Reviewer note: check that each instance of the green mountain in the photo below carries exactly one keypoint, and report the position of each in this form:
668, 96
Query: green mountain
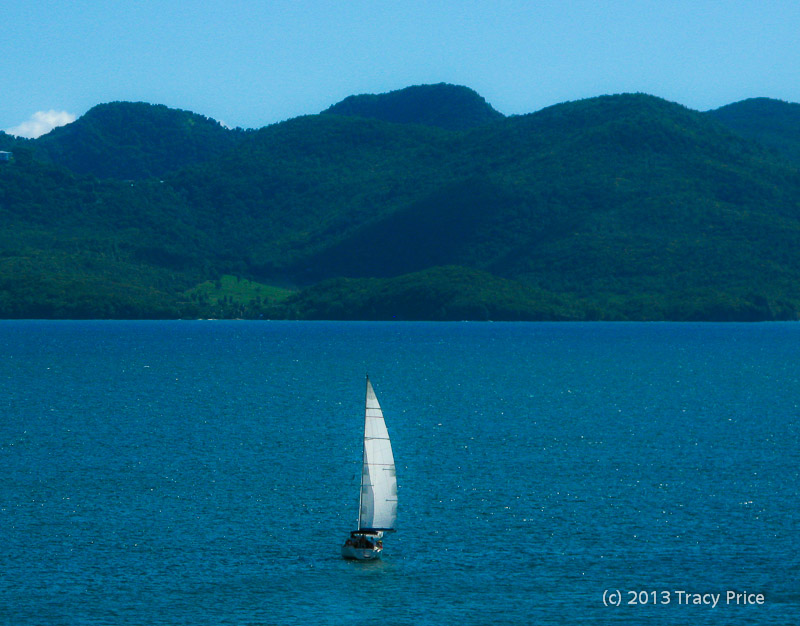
290, 189
643, 207
616, 207
7, 142
135, 140
446, 106
773, 123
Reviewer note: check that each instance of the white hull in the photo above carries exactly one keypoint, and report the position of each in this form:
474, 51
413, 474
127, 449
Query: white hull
361, 554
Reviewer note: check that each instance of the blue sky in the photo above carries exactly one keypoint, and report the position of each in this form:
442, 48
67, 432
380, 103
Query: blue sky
251, 63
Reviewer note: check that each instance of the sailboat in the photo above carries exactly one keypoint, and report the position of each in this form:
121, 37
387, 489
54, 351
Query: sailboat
377, 503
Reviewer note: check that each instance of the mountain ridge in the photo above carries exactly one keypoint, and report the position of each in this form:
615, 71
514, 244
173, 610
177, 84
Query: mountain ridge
447, 106
135, 140
615, 207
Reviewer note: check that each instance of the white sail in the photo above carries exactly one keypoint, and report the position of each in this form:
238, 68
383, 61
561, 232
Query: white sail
378, 477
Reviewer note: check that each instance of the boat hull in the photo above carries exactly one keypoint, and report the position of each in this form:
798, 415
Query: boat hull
361, 554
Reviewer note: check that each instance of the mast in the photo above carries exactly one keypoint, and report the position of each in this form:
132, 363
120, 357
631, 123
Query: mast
363, 454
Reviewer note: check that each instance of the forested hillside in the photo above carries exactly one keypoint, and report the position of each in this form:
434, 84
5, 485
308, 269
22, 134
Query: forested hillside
135, 140
616, 207
773, 123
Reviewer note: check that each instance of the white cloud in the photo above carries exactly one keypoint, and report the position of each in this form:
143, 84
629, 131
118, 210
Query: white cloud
41, 122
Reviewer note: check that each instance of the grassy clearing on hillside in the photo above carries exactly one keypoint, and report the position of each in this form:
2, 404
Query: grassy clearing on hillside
233, 296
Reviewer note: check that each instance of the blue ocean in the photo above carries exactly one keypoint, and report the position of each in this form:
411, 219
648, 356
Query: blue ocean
208, 472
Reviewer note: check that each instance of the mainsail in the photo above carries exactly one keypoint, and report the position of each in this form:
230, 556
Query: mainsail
378, 507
